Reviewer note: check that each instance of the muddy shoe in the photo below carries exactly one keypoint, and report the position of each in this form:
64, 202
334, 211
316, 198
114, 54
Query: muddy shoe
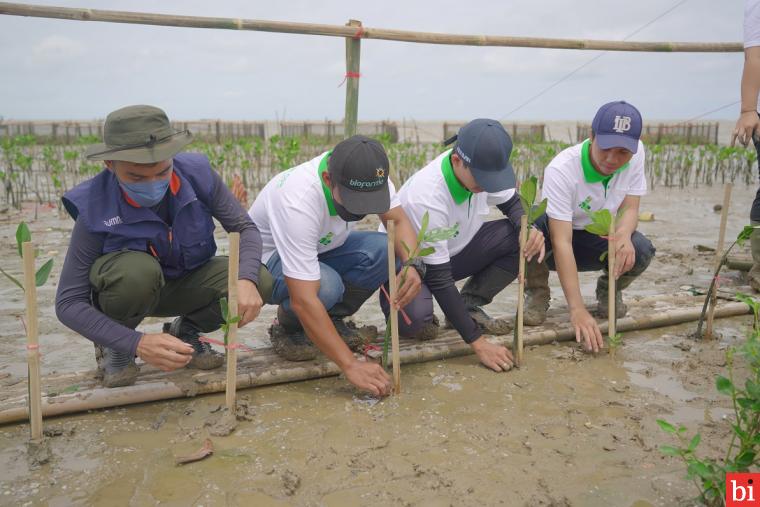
603, 308
204, 357
428, 332
486, 323
291, 346
350, 335
116, 369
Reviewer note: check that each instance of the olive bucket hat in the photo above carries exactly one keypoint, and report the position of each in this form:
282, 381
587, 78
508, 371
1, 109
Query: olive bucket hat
139, 134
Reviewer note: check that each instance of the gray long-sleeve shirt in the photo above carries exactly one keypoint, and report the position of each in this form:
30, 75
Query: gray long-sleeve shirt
73, 305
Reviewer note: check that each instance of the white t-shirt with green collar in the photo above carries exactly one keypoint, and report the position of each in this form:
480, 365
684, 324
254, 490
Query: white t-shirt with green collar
296, 218
573, 187
434, 189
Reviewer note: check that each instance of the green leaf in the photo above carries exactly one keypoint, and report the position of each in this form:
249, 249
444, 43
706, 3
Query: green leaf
426, 251
406, 248
42, 274
723, 385
745, 234
666, 426
694, 442
700, 469
225, 308
234, 320
669, 450
603, 256
537, 211
441, 233
12, 279
745, 459
423, 228
528, 190
22, 236
748, 300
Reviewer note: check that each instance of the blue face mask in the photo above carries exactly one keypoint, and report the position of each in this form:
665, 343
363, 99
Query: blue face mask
146, 194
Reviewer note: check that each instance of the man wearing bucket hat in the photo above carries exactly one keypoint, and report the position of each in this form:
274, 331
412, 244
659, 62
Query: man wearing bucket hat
322, 269
143, 245
456, 190
605, 171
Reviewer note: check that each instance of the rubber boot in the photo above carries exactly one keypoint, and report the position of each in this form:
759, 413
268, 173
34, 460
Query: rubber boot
204, 357
289, 339
428, 332
117, 369
479, 290
754, 272
353, 298
537, 293
602, 291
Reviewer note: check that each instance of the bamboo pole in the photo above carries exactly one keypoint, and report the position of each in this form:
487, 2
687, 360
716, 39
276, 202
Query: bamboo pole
264, 369
718, 257
612, 311
353, 65
32, 341
141, 18
395, 358
518, 345
232, 279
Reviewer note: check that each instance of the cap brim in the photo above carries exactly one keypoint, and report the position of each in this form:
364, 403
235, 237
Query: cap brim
156, 153
495, 181
608, 141
365, 203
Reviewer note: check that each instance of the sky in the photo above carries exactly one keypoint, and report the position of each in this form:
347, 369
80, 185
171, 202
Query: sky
57, 69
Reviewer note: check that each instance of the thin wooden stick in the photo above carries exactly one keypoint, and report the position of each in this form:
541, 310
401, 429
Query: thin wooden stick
232, 279
518, 345
395, 349
142, 18
611, 288
353, 65
718, 257
32, 341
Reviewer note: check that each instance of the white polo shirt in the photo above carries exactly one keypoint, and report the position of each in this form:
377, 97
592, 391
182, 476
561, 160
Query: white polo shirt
751, 23
435, 189
574, 187
296, 217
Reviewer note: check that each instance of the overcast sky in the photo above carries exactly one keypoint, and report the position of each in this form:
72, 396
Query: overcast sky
55, 69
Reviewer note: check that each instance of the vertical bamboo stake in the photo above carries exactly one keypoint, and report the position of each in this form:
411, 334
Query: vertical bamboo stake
611, 289
353, 56
718, 258
518, 345
232, 278
395, 352
32, 341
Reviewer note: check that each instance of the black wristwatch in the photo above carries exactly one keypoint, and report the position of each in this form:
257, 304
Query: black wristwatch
418, 264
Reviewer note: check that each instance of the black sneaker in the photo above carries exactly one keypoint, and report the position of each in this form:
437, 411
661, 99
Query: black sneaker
204, 357
117, 369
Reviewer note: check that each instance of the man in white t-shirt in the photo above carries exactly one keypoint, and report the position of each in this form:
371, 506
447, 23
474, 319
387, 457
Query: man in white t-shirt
605, 171
456, 190
323, 270
749, 121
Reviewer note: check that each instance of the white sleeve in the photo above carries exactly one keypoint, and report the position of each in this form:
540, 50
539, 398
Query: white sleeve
559, 189
638, 184
751, 23
395, 200
437, 217
497, 198
295, 231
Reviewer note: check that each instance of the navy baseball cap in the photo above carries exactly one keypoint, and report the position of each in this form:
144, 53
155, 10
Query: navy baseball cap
617, 125
485, 147
359, 165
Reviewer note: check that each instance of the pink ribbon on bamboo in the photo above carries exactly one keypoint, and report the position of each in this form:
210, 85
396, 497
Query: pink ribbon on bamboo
403, 313
234, 346
356, 75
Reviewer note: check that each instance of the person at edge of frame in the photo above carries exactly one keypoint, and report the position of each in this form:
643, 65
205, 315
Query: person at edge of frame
749, 119
143, 245
457, 190
322, 269
604, 171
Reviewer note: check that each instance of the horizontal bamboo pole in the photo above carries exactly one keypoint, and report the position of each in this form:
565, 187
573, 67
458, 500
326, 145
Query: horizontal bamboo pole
142, 18
452, 346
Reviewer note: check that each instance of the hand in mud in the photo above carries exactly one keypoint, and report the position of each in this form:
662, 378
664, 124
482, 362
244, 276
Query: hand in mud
625, 256
249, 302
496, 357
407, 292
368, 377
535, 245
747, 124
164, 351
587, 329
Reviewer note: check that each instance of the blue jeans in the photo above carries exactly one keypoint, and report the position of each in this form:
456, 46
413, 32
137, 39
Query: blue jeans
361, 261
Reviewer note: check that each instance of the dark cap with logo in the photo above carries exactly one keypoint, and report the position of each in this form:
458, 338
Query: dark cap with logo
485, 148
617, 125
359, 166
